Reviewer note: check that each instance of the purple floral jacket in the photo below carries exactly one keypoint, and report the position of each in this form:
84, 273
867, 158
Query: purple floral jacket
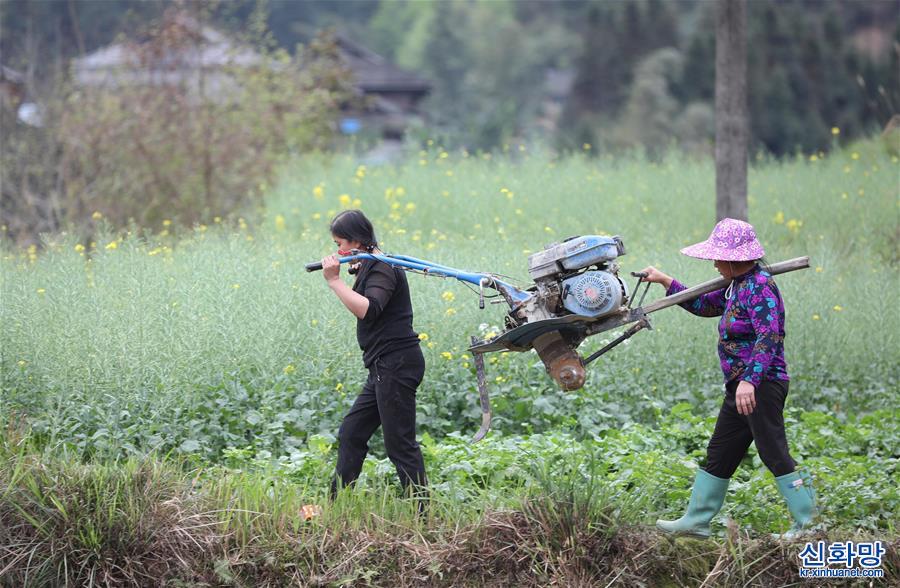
751, 330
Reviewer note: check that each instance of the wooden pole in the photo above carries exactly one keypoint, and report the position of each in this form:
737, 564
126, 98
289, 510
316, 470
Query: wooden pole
712, 285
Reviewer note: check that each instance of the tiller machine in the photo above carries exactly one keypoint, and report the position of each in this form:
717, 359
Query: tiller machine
577, 293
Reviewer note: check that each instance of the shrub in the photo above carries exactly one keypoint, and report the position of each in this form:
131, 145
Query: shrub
179, 131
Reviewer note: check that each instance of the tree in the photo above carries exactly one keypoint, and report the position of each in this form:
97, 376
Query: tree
651, 112
731, 109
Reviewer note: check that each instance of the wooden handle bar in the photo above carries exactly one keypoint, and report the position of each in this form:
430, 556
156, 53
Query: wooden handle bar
700, 289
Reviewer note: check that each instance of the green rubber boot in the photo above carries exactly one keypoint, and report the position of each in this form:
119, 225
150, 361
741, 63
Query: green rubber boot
706, 500
797, 490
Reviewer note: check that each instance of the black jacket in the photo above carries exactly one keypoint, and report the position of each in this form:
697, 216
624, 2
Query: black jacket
387, 325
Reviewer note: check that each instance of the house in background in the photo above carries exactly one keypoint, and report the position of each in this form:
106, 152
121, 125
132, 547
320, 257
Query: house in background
201, 61
391, 96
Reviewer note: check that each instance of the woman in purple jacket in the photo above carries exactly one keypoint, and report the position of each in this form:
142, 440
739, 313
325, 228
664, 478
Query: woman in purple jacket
751, 353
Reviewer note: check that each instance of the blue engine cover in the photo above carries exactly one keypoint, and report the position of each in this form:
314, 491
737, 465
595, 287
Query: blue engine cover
588, 250
574, 254
593, 293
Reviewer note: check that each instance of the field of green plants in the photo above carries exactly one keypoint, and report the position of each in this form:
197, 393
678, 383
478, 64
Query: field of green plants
174, 390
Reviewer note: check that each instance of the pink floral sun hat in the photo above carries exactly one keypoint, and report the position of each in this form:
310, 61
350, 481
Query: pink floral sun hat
731, 240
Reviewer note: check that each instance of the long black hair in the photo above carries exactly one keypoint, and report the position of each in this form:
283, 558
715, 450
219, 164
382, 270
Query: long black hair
354, 226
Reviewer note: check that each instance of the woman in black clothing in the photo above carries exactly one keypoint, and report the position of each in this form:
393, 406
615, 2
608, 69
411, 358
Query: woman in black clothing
380, 301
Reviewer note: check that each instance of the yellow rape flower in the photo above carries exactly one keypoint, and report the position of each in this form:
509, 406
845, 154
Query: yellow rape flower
79, 247
816, 317
448, 296
290, 369
447, 355
339, 387
345, 200
779, 218
96, 215
450, 311
423, 336
40, 290
410, 206
279, 222
112, 245
318, 192
838, 308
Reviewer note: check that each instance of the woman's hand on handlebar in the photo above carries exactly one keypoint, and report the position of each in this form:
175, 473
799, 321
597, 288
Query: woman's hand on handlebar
331, 268
655, 276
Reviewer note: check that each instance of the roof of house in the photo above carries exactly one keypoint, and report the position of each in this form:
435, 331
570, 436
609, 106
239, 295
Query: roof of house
374, 73
371, 72
10, 75
212, 49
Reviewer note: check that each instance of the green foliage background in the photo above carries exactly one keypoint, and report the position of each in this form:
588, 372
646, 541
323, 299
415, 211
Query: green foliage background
488, 60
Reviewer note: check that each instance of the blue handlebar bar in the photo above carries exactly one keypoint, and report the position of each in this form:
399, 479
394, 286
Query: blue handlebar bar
512, 294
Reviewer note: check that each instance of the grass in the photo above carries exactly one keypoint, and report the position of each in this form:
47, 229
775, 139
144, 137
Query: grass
215, 338
173, 395
146, 521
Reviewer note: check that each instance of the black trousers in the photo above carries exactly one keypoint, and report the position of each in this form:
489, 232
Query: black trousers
388, 399
734, 432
